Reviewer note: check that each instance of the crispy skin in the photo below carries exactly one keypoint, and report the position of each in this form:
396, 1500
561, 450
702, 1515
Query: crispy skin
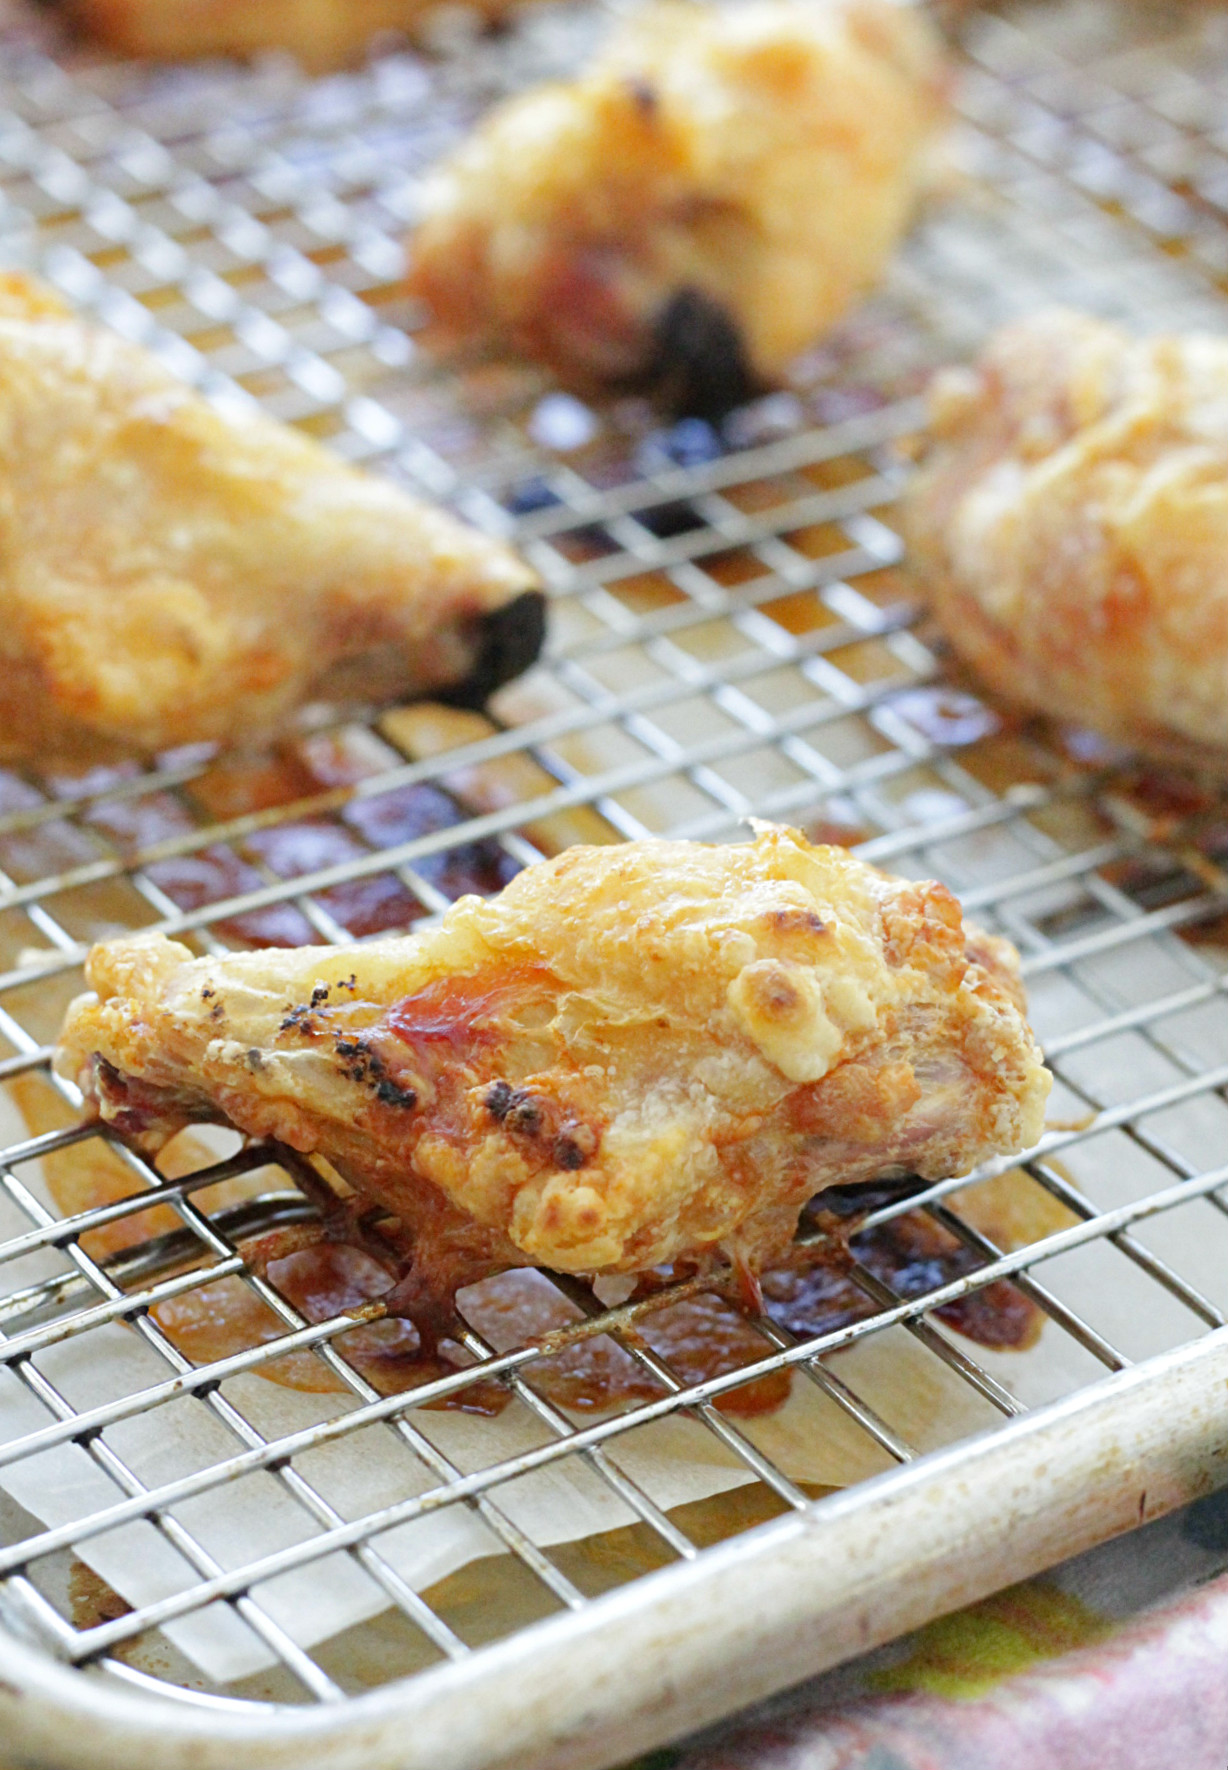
637, 1054
322, 33
1070, 527
169, 575
721, 183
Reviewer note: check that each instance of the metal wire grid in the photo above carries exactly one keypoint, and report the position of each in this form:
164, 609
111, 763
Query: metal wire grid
261, 258
1137, 125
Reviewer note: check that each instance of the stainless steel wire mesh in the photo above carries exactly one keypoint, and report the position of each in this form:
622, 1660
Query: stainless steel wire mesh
733, 633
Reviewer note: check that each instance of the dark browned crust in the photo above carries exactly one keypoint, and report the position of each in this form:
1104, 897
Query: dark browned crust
700, 366
510, 640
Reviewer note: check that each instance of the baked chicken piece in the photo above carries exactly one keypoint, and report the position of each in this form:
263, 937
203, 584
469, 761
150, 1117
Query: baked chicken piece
170, 576
633, 1055
322, 34
704, 201
1070, 527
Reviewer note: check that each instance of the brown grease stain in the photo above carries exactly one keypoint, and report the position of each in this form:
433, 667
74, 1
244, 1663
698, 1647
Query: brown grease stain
91, 1600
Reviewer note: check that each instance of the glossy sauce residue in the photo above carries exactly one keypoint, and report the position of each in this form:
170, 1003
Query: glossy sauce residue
445, 1026
444, 1018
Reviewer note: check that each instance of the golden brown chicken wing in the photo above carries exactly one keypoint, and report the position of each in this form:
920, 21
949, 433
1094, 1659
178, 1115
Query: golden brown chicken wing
636, 1054
170, 576
1070, 527
709, 196
321, 33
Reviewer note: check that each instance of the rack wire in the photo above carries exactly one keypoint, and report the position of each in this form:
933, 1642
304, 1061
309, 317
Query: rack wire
733, 633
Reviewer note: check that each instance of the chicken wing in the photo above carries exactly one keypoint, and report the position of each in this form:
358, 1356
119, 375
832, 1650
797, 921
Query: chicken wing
637, 1054
322, 34
169, 575
1070, 527
708, 197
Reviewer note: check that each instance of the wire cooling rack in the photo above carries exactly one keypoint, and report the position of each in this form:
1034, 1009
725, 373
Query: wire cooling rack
733, 633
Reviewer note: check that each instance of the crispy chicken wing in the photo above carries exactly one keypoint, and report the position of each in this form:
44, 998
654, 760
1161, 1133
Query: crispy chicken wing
1070, 526
709, 196
170, 576
633, 1055
322, 33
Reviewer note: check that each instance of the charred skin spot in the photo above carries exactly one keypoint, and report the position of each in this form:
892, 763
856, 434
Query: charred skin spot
255, 1059
536, 1120
498, 1100
700, 367
393, 1094
207, 994
217, 1011
506, 642
300, 1019
526, 1114
368, 1069
303, 1017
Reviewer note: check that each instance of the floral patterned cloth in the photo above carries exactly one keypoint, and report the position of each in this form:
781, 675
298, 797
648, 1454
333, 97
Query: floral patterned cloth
1116, 1661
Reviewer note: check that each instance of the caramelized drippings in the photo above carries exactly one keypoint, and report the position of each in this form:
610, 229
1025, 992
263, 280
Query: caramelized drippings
323, 1281
912, 1255
699, 1338
297, 771
1169, 796
217, 1320
406, 813
376, 905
